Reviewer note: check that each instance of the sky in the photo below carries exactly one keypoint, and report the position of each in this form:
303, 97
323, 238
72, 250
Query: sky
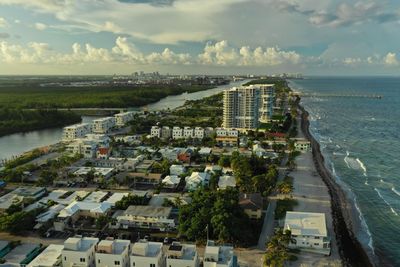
313, 37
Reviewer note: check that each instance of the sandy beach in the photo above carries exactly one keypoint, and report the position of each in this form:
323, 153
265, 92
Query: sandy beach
311, 179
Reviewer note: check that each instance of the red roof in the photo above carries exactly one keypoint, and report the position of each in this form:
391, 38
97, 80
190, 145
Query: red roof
103, 150
281, 135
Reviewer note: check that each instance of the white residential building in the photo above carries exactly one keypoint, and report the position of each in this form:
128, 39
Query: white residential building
224, 132
177, 133
166, 132
147, 217
182, 255
147, 254
199, 133
50, 257
121, 119
79, 251
177, 169
88, 145
103, 125
113, 253
218, 256
188, 132
247, 106
196, 179
76, 209
171, 181
155, 131
226, 181
76, 131
308, 231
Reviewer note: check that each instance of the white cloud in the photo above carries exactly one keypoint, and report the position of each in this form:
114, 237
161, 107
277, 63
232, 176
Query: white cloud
214, 54
40, 26
182, 20
3, 23
391, 59
222, 54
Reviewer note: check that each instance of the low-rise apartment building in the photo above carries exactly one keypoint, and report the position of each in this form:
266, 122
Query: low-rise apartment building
79, 251
121, 119
147, 217
155, 131
218, 256
76, 131
182, 255
177, 133
113, 253
103, 125
308, 231
146, 253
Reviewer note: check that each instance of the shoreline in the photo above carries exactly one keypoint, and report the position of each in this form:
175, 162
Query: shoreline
350, 249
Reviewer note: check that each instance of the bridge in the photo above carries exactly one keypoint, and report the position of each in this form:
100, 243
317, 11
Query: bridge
373, 96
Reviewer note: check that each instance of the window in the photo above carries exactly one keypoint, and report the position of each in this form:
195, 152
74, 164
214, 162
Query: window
152, 265
117, 263
82, 259
65, 258
316, 244
98, 260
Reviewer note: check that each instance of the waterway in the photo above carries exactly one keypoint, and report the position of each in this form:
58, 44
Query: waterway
16, 144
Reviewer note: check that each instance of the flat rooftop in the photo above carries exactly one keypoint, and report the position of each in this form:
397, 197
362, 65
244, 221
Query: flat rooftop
49, 257
79, 243
96, 196
148, 211
19, 253
306, 223
219, 254
146, 249
116, 247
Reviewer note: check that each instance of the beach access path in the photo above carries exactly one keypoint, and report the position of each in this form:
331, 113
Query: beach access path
312, 195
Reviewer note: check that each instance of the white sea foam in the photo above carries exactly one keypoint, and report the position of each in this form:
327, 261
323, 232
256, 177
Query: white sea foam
362, 166
386, 202
395, 191
365, 226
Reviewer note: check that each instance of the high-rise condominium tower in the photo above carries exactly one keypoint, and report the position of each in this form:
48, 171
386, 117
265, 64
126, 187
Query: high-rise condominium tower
247, 106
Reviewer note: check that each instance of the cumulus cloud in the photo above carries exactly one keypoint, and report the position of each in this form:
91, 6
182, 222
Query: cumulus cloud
214, 54
221, 53
391, 59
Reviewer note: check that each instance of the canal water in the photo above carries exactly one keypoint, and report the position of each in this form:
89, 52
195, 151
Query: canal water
16, 144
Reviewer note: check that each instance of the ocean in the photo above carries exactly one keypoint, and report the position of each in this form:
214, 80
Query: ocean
359, 138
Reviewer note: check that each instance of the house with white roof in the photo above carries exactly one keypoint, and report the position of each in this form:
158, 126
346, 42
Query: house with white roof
196, 179
50, 257
77, 209
113, 253
177, 169
182, 255
146, 253
218, 256
308, 231
96, 196
212, 169
115, 197
79, 251
171, 181
226, 181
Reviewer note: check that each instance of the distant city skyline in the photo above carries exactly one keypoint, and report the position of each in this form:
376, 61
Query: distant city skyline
89, 37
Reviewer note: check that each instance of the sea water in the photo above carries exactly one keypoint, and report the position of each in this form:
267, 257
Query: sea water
359, 137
